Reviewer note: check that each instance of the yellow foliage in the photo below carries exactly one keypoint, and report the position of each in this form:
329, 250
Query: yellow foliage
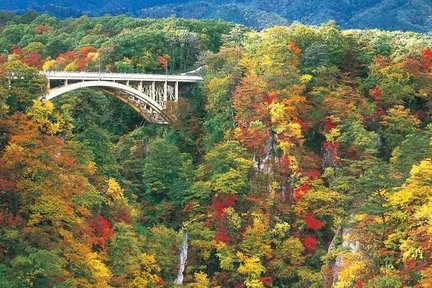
322, 200
306, 78
424, 214
254, 283
280, 230
115, 192
91, 168
256, 242
333, 135
71, 66
52, 208
426, 282
293, 250
41, 110
250, 266
410, 250
85, 262
200, 281
225, 256
144, 271
353, 267
418, 188
43, 113
48, 65
93, 56
100, 272
277, 112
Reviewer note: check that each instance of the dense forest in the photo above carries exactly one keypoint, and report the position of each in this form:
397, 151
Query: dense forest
304, 159
414, 15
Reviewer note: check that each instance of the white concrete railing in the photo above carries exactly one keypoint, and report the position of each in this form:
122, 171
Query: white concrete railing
94, 76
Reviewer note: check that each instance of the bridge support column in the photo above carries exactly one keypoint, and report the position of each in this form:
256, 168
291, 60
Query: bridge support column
165, 96
176, 91
153, 90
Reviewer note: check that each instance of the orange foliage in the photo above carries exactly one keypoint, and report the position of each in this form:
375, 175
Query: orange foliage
163, 60
251, 101
42, 28
301, 191
32, 59
294, 48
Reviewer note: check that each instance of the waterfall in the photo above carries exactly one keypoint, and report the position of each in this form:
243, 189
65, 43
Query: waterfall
182, 259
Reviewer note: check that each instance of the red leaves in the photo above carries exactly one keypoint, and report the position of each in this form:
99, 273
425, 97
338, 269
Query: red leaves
6, 185
267, 281
270, 97
379, 113
283, 166
331, 147
299, 192
220, 204
29, 58
84, 51
32, 59
312, 174
427, 58
222, 235
359, 283
329, 124
7, 219
376, 93
102, 230
83, 57
3, 59
312, 222
16, 50
304, 125
59, 278
310, 243
80, 57
223, 201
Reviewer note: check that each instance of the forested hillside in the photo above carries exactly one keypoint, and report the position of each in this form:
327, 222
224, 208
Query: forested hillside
304, 159
381, 14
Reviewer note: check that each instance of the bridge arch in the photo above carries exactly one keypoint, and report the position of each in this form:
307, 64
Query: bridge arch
148, 108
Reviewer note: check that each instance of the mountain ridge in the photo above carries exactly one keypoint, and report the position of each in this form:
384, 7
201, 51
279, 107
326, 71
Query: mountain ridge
413, 15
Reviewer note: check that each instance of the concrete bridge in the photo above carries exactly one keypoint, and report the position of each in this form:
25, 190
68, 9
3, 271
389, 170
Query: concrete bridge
148, 94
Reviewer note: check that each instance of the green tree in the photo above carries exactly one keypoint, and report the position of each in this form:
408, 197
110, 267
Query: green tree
167, 172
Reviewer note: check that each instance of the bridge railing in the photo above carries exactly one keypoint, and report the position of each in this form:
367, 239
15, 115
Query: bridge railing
120, 76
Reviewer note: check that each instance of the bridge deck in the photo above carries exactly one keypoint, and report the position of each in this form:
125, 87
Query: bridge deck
95, 76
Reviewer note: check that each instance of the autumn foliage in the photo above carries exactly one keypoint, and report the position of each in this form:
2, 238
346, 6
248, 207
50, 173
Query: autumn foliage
303, 159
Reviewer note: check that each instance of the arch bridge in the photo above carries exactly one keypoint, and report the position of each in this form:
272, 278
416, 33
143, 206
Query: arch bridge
148, 94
